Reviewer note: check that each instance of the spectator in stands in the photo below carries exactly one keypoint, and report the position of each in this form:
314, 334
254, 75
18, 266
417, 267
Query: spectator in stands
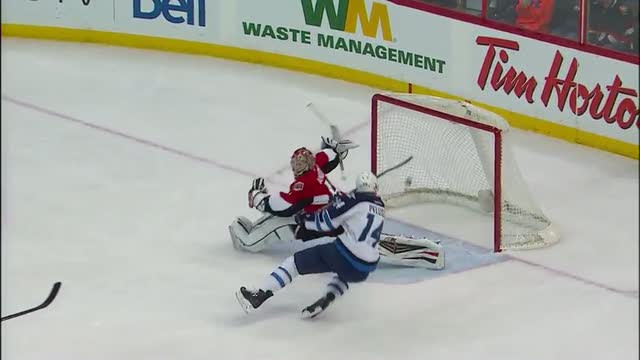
473, 7
534, 15
566, 17
614, 24
502, 10
451, 4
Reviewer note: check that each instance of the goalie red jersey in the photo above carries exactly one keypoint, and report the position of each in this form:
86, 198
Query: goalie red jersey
309, 187
308, 191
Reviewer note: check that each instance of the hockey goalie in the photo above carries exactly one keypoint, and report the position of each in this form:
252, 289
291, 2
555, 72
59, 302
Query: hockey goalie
309, 192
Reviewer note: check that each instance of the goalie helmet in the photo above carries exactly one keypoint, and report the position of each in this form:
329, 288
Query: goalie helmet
366, 182
302, 161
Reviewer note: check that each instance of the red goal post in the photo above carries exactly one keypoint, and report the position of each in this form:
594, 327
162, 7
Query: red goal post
457, 154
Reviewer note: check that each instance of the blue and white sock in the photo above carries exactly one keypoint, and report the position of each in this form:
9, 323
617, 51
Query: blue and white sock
337, 286
282, 276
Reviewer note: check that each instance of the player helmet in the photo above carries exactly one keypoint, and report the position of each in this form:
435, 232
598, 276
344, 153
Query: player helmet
302, 161
366, 182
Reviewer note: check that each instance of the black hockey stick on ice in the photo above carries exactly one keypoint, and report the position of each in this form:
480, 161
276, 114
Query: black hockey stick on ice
48, 300
399, 165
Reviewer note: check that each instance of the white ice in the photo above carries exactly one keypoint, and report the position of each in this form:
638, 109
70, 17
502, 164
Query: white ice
135, 224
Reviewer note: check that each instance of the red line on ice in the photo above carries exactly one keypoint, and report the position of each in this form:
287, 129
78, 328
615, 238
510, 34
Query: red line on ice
131, 137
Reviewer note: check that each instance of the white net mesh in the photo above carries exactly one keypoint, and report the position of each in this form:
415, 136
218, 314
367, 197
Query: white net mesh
454, 163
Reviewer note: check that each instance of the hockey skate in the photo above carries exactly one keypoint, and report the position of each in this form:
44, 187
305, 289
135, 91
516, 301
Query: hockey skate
252, 299
319, 306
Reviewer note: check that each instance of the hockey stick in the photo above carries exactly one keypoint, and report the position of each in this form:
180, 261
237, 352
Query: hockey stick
335, 133
47, 301
397, 166
335, 189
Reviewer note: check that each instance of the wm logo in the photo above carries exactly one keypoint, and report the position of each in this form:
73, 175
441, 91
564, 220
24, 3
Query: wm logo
347, 15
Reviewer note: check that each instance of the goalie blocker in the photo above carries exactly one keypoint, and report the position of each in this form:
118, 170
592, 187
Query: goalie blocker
394, 249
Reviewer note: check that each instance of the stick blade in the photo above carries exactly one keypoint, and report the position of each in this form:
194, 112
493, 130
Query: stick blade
52, 295
397, 166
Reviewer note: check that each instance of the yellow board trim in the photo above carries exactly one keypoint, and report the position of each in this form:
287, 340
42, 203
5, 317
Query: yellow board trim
314, 67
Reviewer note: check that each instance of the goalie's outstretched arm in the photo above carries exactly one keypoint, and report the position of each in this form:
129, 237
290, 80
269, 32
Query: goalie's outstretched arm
333, 152
327, 160
277, 206
286, 204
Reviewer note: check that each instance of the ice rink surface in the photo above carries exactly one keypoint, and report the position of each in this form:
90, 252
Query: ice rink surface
121, 170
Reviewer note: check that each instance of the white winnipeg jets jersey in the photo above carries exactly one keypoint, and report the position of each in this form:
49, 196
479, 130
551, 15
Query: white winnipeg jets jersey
361, 214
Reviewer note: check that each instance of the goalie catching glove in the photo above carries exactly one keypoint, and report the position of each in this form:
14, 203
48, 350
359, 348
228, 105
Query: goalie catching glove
340, 147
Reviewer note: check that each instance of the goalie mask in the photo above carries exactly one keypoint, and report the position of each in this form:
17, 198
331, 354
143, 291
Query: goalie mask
302, 161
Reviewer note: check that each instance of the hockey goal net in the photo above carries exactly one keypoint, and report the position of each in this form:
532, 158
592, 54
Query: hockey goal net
429, 149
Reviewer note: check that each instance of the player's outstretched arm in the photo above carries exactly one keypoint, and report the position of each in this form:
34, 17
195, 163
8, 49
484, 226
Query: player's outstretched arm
330, 218
327, 160
277, 206
304, 234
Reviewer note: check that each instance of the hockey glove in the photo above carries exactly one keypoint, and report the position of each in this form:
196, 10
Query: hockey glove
340, 147
258, 185
261, 200
257, 193
258, 200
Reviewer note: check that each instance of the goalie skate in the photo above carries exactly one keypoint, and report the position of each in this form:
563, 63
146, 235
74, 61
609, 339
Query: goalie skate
318, 307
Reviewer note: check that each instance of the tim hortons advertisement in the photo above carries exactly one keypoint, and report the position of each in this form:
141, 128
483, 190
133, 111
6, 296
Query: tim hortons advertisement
573, 87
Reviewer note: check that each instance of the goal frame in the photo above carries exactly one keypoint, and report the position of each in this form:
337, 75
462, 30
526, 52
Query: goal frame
497, 150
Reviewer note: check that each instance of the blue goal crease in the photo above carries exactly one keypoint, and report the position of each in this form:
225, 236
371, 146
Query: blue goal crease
459, 256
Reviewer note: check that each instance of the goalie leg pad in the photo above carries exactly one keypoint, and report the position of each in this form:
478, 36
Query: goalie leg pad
237, 234
406, 251
258, 236
246, 224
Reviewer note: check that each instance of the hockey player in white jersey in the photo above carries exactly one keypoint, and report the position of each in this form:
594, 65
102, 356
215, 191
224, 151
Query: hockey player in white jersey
352, 256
